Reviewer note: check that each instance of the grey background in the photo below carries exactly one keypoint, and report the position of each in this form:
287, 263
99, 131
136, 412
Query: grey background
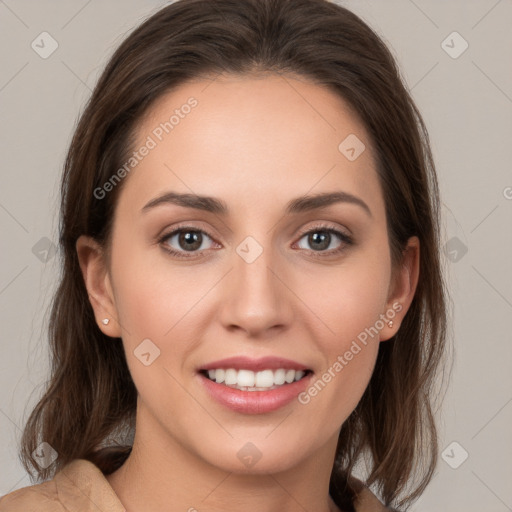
466, 103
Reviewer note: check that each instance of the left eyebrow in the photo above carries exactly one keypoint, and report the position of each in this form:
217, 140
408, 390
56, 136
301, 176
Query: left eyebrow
322, 200
298, 205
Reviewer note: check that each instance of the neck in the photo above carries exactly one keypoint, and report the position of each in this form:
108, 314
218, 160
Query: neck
163, 475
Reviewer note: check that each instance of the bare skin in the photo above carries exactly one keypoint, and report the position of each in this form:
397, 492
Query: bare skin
255, 143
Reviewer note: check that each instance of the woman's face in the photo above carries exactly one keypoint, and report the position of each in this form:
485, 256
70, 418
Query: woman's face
263, 278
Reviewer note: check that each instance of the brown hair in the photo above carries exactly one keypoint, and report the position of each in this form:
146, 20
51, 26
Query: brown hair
90, 396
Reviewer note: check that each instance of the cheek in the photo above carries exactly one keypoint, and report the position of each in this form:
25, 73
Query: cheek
166, 304
349, 297
155, 304
351, 311
152, 294
347, 301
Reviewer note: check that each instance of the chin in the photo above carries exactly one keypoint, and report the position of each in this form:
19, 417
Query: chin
254, 458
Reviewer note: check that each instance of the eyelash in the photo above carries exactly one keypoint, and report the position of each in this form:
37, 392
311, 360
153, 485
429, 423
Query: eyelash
345, 239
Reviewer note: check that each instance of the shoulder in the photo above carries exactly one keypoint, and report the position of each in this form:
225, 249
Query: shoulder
72, 489
41, 495
365, 500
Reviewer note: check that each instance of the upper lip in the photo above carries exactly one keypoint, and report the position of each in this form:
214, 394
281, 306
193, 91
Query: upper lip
247, 363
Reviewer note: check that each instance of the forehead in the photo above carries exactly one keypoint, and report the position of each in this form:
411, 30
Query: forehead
252, 137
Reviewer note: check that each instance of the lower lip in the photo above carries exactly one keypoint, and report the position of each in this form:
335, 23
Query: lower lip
255, 402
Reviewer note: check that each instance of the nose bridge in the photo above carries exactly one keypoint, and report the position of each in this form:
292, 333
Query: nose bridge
256, 299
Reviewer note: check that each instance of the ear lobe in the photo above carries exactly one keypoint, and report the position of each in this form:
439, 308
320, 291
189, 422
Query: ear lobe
403, 287
97, 281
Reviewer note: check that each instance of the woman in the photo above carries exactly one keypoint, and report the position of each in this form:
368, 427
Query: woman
252, 300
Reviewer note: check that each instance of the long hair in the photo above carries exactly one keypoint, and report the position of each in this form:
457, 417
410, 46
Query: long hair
90, 398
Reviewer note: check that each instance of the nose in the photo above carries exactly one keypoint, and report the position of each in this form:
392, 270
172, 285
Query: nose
255, 296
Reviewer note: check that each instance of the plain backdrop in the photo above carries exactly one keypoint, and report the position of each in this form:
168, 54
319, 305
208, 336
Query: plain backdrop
465, 96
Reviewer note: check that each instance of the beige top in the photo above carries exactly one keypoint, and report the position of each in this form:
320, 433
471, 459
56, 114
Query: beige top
80, 486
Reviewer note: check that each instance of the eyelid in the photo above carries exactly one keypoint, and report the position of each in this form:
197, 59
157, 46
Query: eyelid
325, 225
185, 226
346, 239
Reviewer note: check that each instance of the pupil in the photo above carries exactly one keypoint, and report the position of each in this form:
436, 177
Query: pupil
192, 238
322, 238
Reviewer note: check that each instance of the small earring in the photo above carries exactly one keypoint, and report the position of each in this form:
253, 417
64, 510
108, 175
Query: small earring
105, 321
390, 324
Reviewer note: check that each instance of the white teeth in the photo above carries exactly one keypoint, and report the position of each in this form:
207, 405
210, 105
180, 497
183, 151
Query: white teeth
253, 381
279, 377
264, 379
231, 376
246, 378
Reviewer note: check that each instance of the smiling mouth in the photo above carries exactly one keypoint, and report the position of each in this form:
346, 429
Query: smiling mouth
247, 380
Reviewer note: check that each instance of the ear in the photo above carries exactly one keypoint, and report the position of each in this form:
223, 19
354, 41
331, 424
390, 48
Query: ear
402, 288
92, 262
